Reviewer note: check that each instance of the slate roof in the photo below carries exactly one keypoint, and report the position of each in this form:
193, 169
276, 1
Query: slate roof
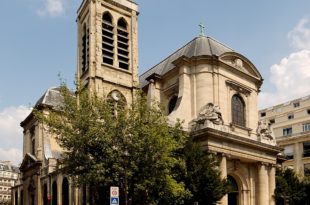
51, 97
199, 46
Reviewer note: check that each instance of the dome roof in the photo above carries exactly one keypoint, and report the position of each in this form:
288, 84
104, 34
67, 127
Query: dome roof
199, 46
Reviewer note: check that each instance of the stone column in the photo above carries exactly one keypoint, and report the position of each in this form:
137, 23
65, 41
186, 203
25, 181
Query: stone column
223, 168
263, 196
272, 184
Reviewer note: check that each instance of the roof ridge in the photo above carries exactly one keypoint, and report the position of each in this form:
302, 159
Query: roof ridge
170, 55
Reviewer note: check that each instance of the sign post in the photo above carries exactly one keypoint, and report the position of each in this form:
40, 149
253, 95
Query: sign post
114, 195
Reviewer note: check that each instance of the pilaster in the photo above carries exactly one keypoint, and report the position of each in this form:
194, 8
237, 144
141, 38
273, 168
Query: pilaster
223, 168
272, 184
263, 196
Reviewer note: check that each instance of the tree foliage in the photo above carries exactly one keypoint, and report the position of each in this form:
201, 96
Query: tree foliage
289, 189
134, 148
203, 178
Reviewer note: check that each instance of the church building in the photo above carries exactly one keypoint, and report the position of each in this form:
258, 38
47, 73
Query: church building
210, 86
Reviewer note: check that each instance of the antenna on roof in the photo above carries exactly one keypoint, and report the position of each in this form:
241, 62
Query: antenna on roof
202, 29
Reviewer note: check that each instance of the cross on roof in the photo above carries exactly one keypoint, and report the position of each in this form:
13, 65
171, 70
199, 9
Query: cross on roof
202, 29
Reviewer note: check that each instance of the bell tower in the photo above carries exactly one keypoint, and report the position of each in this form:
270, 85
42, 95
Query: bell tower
108, 47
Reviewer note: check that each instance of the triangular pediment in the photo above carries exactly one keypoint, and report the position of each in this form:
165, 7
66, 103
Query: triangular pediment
240, 63
29, 161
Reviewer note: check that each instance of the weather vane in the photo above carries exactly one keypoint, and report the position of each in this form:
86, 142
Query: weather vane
202, 29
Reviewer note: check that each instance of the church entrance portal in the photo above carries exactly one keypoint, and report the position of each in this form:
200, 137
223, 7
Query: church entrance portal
233, 195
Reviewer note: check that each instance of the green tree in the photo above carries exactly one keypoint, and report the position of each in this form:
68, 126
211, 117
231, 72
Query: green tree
306, 183
289, 189
132, 147
203, 177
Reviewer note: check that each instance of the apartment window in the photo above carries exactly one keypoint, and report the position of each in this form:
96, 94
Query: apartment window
296, 104
307, 169
238, 110
107, 39
306, 147
263, 114
290, 116
122, 44
287, 131
272, 121
308, 111
306, 127
289, 152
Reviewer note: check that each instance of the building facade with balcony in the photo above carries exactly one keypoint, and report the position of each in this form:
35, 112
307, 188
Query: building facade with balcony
8, 178
290, 123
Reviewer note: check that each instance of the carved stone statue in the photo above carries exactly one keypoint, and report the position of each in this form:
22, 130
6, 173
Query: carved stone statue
211, 113
263, 130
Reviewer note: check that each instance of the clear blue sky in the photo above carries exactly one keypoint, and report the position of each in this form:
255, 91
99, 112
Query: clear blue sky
38, 42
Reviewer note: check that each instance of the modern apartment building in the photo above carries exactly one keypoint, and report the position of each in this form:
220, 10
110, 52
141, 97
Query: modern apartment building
8, 177
290, 123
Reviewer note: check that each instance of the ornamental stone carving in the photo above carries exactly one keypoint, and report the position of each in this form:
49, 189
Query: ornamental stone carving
264, 132
210, 114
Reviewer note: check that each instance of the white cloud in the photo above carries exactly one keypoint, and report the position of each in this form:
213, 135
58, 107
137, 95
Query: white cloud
291, 76
52, 8
14, 155
291, 79
11, 137
300, 35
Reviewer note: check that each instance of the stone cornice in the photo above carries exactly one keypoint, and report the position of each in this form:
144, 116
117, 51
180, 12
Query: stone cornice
204, 134
238, 87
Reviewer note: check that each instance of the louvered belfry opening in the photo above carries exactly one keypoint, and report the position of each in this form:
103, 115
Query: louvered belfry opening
85, 48
122, 44
107, 39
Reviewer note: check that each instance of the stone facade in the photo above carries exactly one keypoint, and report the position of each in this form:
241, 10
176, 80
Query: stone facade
208, 85
214, 90
107, 64
111, 47
8, 178
290, 123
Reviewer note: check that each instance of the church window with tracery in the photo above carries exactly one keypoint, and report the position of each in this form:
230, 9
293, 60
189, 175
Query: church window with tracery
122, 44
107, 39
238, 111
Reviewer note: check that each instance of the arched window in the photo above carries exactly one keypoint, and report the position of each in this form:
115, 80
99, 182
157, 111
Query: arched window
107, 39
122, 44
65, 192
172, 103
45, 195
233, 191
21, 197
54, 193
16, 198
85, 48
238, 110
84, 192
